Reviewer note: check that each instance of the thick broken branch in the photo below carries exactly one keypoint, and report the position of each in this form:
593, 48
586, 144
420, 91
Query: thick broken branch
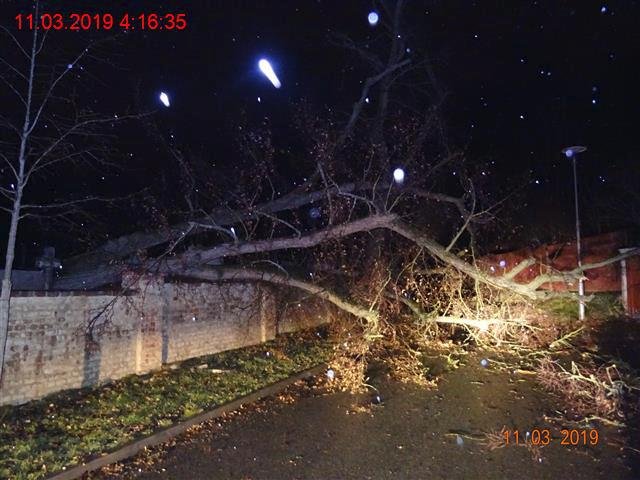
423, 316
194, 259
523, 265
191, 258
440, 252
577, 272
337, 231
92, 280
126, 245
242, 274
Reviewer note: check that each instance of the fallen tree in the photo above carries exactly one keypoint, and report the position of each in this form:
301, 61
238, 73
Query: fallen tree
195, 263
392, 255
127, 245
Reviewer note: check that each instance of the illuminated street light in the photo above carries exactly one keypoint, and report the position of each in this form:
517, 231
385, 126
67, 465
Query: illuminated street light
572, 152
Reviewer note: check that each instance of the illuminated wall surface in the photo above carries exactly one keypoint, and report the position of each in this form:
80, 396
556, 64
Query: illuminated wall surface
562, 257
48, 349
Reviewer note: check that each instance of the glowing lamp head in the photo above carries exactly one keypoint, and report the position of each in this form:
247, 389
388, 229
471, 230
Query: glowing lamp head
574, 150
266, 68
164, 98
398, 175
373, 18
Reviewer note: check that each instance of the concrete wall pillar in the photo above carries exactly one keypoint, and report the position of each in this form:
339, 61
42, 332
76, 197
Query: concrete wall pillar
148, 305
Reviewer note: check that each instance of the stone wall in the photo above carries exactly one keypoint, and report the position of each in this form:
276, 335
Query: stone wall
202, 318
49, 348
299, 312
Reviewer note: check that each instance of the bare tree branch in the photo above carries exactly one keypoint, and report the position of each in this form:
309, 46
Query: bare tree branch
240, 274
331, 233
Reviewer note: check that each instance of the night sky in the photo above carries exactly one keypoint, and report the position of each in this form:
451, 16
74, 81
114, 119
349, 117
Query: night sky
523, 79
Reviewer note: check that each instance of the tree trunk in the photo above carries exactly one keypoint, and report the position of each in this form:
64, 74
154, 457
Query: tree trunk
126, 245
244, 274
5, 295
5, 298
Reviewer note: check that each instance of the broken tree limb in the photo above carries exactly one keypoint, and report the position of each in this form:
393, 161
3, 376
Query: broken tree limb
228, 274
111, 274
523, 265
423, 316
365, 224
578, 272
195, 258
126, 245
482, 323
243, 274
440, 252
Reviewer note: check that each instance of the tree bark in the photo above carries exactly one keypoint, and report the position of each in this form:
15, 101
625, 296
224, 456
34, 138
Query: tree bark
193, 258
441, 253
5, 294
129, 244
194, 261
241, 274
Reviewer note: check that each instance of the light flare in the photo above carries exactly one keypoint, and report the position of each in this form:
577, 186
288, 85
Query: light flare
164, 98
266, 68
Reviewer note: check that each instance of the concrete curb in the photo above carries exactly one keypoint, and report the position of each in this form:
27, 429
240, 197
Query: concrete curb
131, 449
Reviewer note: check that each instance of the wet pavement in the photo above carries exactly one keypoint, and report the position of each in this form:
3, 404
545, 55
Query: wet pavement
415, 433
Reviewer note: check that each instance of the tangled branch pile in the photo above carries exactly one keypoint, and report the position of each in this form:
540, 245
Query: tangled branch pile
590, 391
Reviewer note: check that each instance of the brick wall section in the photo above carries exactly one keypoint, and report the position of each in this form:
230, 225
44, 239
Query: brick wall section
149, 307
48, 349
207, 318
302, 313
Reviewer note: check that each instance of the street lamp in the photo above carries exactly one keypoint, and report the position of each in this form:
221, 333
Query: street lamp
572, 152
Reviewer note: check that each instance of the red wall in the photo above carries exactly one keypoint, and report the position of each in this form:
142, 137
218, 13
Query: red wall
562, 257
633, 285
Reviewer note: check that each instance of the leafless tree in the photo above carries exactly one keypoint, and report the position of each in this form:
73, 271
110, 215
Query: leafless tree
44, 129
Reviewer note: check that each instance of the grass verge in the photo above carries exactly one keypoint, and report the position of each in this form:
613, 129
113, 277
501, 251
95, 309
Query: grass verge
63, 429
602, 305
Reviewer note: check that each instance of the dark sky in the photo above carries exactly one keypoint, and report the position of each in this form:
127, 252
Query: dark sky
525, 78
522, 76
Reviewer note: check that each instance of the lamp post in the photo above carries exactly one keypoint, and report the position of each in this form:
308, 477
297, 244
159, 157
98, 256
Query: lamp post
572, 152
